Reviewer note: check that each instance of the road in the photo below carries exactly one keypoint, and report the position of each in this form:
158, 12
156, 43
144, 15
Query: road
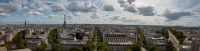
173, 39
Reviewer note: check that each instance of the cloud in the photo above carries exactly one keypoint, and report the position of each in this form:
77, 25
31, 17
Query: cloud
4, 15
130, 1
94, 16
34, 13
30, 7
128, 20
128, 7
81, 7
146, 11
108, 8
122, 3
115, 18
54, 16
24, 2
171, 16
10, 7
57, 7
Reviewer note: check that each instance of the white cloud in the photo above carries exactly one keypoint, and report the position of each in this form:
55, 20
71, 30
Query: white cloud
4, 15
34, 13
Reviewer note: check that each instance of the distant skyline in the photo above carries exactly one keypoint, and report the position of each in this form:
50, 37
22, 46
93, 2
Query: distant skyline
127, 12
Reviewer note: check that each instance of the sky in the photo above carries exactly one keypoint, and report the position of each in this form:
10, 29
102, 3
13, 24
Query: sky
127, 12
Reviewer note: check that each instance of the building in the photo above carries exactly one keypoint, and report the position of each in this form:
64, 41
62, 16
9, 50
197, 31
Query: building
195, 44
119, 41
185, 48
160, 43
33, 41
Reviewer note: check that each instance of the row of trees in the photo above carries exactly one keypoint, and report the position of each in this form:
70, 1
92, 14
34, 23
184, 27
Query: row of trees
178, 35
42, 47
141, 40
7, 45
170, 46
19, 39
151, 48
140, 36
165, 33
136, 46
53, 40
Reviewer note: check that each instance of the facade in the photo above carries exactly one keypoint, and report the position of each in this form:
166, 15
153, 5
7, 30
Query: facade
195, 44
32, 41
119, 41
160, 43
185, 48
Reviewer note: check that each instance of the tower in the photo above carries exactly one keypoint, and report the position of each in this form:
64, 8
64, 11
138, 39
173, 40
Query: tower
25, 23
64, 25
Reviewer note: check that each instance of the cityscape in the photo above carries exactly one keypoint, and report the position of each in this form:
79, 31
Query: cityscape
99, 25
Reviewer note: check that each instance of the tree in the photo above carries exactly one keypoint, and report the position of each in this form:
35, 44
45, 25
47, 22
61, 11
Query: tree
101, 46
135, 47
6, 44
89, 46
75, 49
56, 47
140, 36
170, 46
0, 33
151, 48
42, 47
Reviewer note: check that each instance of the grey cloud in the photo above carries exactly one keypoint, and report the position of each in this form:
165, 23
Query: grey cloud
94, 16
128, 20
122, 3
81, 7
171, 16
10, 7
108, 8
130, 9
57, 7
115, 18
130, 1
146, 11
24, 2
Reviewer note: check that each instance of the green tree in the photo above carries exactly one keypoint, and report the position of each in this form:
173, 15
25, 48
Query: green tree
151, 48
135, 47
140, 36
6, 44
42, 47
165, 33
56, 47
101, 46
89, 46
75, 49
170, 46
0, 33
